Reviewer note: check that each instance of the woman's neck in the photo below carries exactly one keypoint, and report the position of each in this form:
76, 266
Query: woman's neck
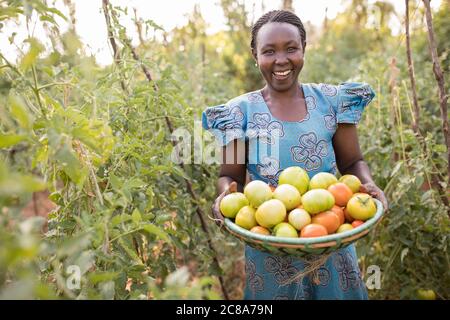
295, 92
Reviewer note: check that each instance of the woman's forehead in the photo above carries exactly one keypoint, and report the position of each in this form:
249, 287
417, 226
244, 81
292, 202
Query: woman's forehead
274, 33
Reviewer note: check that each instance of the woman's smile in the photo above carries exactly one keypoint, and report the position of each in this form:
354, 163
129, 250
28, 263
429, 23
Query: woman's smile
282, 75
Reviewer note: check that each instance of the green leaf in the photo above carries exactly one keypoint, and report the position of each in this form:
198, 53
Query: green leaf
98, 277
440, 148
107, 290
12, 184
8, 140
71, 165
120, 219
136, 216
134, 183
74, 244
30, 57
151, 228
21, 112
41, 156
115, 182
129, 250
396, 168
180, 172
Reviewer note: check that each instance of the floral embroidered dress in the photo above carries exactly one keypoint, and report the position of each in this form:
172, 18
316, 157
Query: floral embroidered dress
274, 145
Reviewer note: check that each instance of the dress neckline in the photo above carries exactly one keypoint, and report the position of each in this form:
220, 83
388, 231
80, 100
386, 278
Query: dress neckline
303, 87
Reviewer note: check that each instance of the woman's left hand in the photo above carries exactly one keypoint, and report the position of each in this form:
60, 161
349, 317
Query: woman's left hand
372, 189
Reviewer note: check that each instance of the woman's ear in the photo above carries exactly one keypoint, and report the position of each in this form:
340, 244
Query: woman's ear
254, 55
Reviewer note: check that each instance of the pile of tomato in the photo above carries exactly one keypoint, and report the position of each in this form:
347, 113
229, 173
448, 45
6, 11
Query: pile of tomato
300, 206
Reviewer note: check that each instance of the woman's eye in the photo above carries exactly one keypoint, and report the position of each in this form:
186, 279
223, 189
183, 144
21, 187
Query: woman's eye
291, 49
268, 52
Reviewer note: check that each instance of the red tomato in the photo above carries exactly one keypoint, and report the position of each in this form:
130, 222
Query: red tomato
357, 223
313, 230
340, 212
341, 193
328, 219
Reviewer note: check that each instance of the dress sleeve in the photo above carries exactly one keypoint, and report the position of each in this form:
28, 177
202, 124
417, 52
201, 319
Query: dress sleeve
225, 122
353, 97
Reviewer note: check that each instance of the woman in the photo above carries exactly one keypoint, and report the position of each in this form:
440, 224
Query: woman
286, 124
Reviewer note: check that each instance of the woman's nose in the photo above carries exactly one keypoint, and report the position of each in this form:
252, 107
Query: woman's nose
281, 58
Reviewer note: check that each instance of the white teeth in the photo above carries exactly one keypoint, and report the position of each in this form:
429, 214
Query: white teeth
284, 73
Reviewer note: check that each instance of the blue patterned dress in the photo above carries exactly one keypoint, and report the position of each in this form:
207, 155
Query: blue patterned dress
275, 145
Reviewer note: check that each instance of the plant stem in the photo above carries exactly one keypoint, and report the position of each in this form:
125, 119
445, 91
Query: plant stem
439, 75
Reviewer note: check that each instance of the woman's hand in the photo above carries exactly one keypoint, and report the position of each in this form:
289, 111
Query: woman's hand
372, 189
218, 217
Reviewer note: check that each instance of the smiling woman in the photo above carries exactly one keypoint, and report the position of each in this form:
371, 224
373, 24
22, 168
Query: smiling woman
304, 125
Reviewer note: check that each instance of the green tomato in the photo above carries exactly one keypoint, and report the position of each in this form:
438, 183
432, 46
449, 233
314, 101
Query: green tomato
284, 229
322, 180
245, 218
270, 213
351, 181
344, 227
257, 192
295, 176
289, 195
232, 203
423, 294
317, 200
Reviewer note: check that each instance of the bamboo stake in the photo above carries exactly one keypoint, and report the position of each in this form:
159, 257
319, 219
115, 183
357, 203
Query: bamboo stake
439, 75
415, 124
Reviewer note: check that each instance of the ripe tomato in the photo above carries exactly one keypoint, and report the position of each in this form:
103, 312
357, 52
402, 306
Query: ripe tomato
357, 223
313, 230
328, 219
317, 200
347, 216
340, 212
361, 207
260, 230
341, 193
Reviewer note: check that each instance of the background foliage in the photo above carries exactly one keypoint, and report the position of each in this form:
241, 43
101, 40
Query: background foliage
95, 141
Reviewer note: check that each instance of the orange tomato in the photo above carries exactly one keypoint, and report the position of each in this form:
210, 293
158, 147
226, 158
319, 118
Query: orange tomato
347, 216
328, 219
340, 212
260, 230
313, 230
341, 193
357, 223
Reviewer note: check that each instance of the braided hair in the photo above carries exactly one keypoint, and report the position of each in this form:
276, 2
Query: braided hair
278, 16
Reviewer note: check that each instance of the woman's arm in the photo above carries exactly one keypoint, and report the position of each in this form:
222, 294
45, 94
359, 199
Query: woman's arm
232, 174
233, 166
349, 160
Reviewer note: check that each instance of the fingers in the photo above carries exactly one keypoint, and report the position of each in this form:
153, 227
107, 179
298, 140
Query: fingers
218, 217
375, 192
233, 187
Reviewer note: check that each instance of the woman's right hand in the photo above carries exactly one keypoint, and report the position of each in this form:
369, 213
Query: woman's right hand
218, 217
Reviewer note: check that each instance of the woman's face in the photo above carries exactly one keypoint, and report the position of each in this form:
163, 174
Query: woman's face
279, 54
